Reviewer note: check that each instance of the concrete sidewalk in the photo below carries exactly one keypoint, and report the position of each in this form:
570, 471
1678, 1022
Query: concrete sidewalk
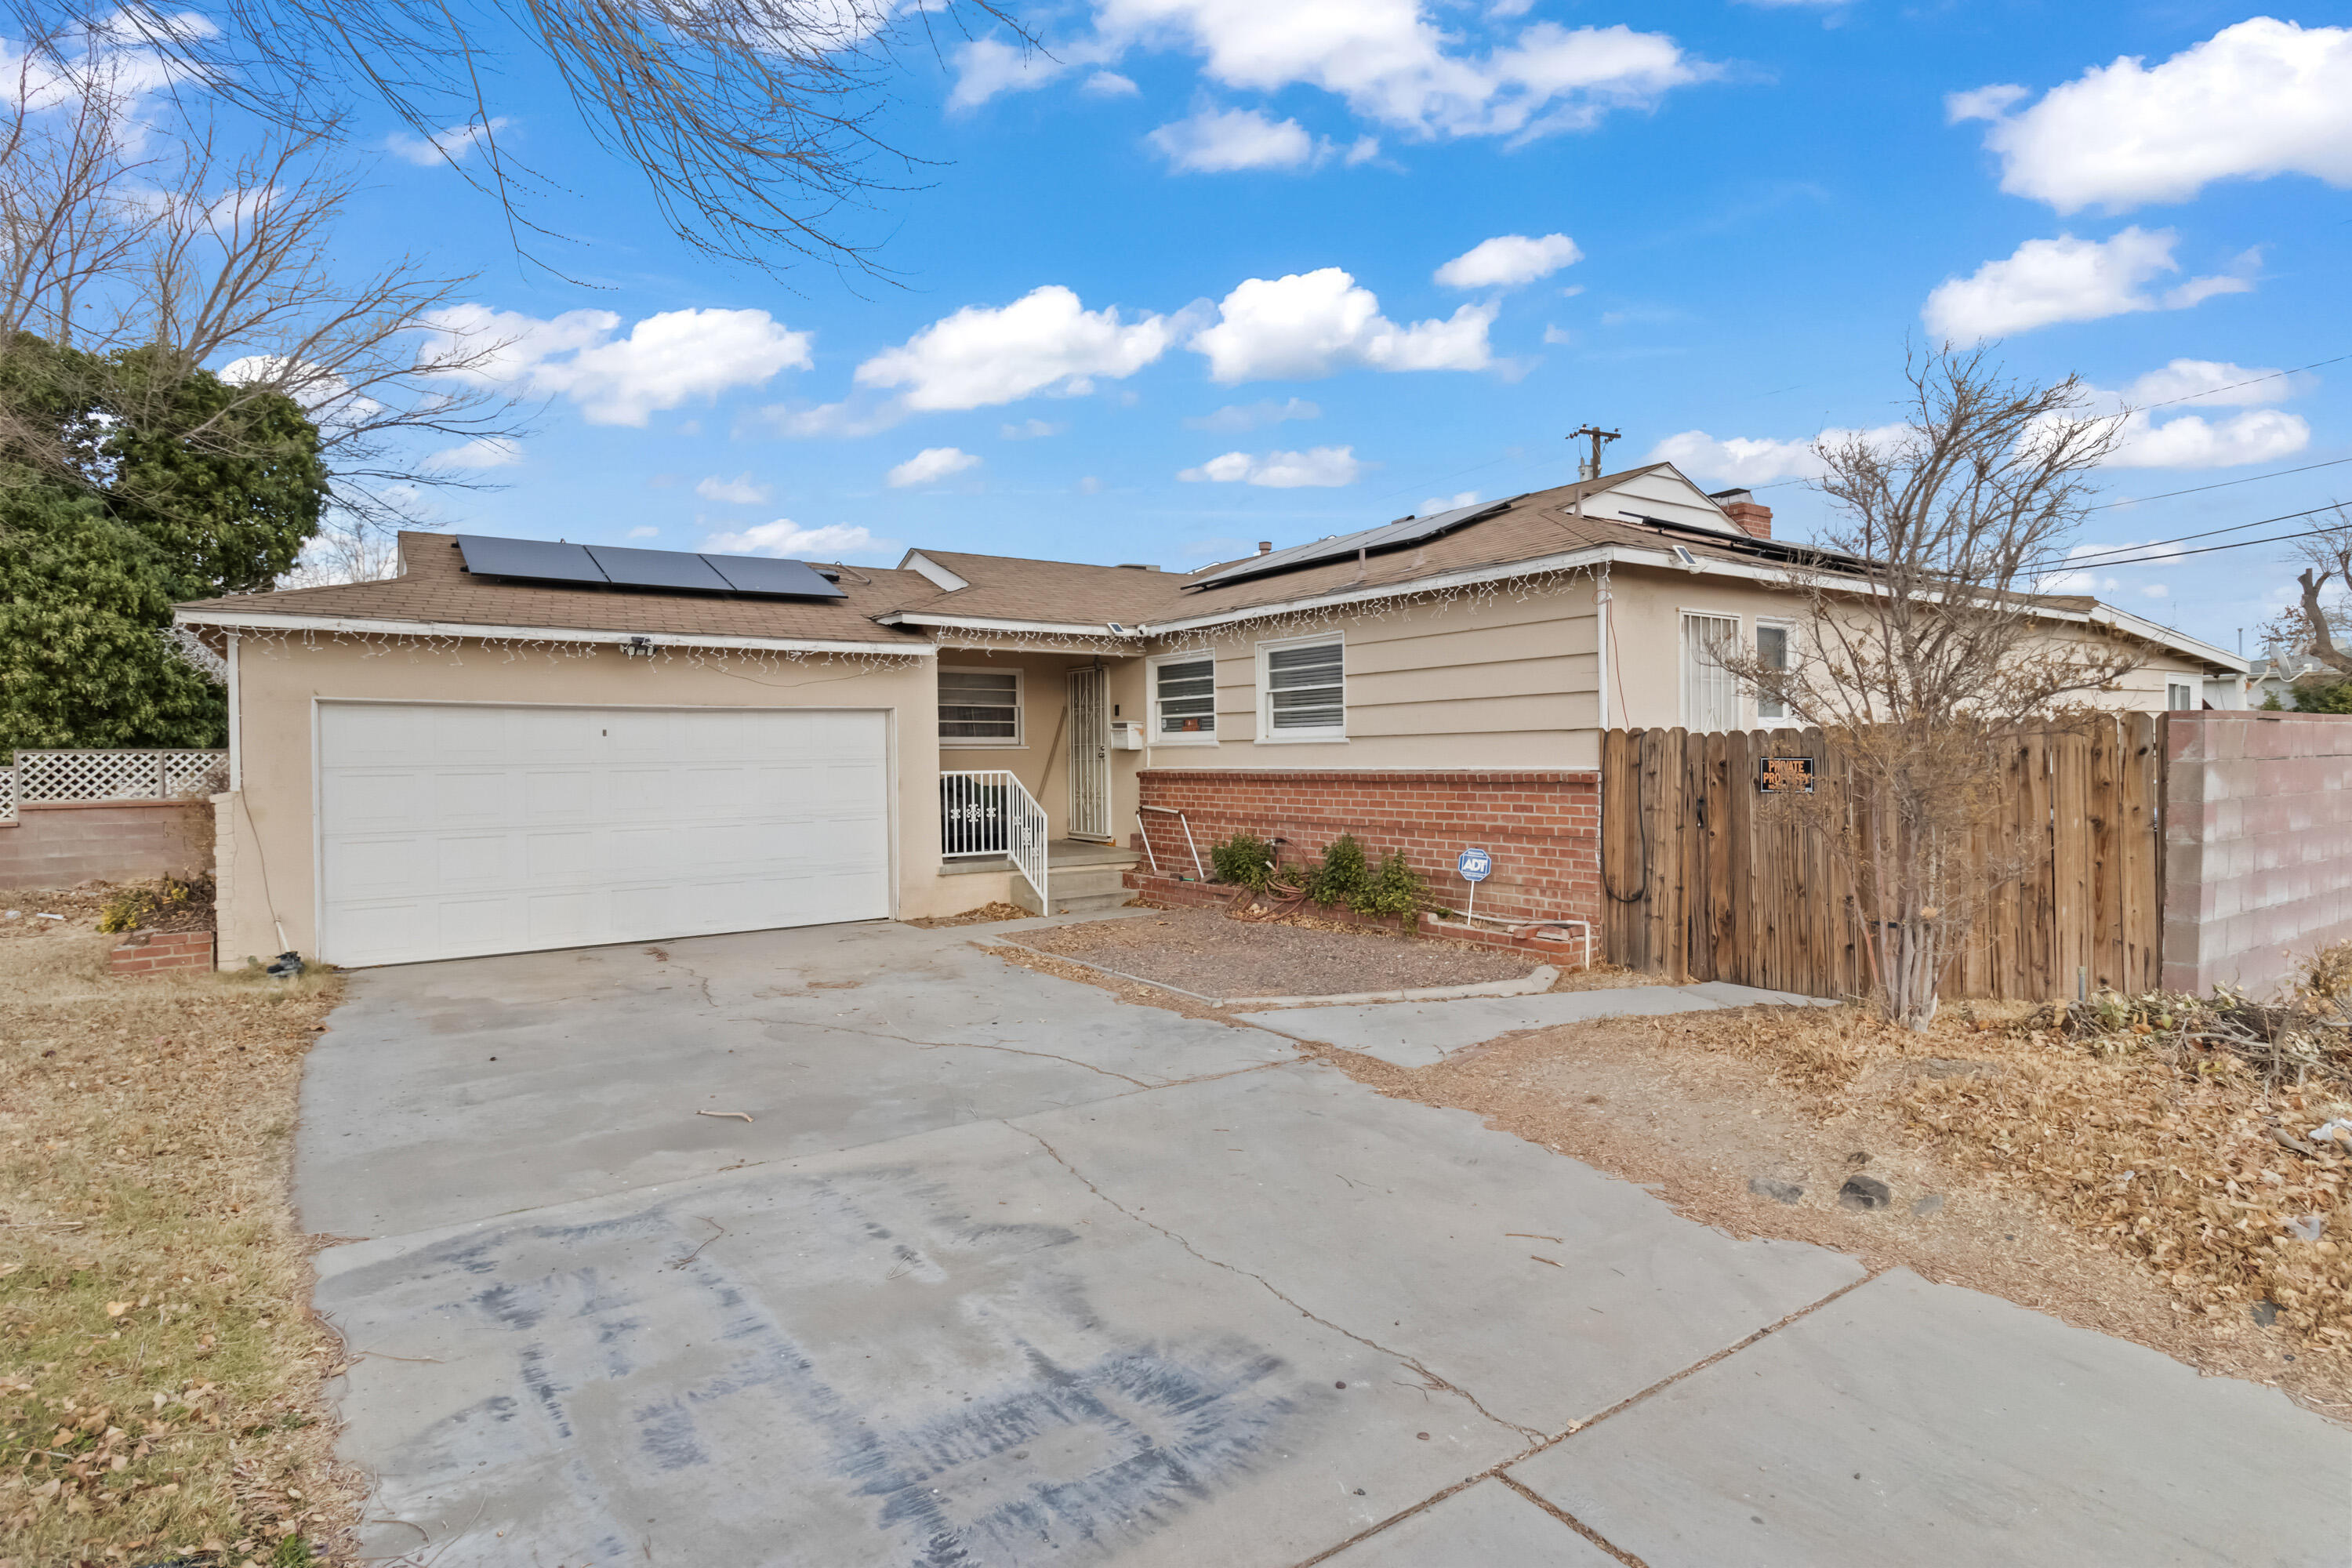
1007, 1271
1422, 1034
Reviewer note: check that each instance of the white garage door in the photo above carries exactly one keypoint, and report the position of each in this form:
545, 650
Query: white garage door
451, 831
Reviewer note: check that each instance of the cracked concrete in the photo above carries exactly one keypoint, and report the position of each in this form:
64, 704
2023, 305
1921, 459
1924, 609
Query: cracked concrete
1007, 1270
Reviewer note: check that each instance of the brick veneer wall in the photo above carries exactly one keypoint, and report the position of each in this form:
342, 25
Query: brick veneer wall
147, 951
57, 844
2257, 845
1542, 828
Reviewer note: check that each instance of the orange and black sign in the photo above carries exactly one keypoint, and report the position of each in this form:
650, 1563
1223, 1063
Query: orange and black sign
1784, 775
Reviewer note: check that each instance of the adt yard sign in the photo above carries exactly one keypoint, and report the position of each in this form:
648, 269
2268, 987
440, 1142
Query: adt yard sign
1473, 865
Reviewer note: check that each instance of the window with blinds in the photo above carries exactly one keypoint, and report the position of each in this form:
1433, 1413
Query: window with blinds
1303, 692
980, 708
1710, 693
1184, 696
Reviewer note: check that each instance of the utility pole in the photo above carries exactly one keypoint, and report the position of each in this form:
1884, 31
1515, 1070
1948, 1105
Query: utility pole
1589, 468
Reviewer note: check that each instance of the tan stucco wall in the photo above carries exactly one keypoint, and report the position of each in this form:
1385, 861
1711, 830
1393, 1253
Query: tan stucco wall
1645, 653
266, 839
1503, 683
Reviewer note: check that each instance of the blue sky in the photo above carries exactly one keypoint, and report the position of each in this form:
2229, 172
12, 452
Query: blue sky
1186, 285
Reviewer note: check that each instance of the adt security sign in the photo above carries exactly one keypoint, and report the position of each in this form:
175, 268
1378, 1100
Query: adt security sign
1473, 865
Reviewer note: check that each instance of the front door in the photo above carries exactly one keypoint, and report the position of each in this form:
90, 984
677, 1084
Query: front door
1089, 754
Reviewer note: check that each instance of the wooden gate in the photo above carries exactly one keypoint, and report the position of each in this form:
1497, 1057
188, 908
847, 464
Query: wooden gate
1703, 877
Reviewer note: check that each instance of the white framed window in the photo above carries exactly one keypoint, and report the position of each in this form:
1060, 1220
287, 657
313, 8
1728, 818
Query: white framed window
1772, 651
2180, 695
1302, 690
1185, 698
979, 707
1710, 692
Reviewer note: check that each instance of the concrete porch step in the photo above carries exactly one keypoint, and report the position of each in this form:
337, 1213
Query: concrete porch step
1083, 879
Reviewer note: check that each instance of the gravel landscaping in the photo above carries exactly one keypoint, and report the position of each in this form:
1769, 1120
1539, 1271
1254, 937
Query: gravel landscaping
1204, 952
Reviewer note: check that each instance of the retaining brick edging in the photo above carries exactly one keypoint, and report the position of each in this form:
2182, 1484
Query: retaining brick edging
1183, 893
153, 952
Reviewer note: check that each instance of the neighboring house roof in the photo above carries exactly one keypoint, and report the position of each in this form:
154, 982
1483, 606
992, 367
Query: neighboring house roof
435, 590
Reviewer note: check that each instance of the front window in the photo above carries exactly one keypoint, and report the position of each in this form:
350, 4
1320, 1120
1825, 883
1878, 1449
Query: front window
1772, 653
2178, 697
1303, 691
1184, 701
1710, 692
980, 708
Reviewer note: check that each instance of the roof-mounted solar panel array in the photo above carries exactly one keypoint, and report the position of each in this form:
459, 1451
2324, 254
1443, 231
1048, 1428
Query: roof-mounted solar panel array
607, 565
1387, 536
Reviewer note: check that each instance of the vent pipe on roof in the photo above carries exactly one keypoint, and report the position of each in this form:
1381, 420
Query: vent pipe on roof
1265, 547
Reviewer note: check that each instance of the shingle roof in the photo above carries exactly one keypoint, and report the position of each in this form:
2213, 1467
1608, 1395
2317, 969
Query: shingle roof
1011, 587
434, 586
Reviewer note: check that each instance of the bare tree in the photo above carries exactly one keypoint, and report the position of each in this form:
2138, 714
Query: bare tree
2315, 624
1928, 651
131, 234
753, 120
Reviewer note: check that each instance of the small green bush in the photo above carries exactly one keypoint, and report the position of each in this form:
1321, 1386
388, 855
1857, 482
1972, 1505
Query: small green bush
1245, 859
1395, 893
1342, 876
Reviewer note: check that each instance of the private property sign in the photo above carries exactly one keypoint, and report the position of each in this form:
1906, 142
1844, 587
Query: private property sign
1784, 775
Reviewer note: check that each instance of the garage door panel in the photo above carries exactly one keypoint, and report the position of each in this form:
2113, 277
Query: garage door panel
452, 832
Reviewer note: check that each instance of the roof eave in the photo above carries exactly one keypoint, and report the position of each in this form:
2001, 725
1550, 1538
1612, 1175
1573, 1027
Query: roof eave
362, 626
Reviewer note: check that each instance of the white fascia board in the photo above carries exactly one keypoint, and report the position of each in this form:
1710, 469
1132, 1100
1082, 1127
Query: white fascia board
258, 620
917, 562
985, 624
2179, 642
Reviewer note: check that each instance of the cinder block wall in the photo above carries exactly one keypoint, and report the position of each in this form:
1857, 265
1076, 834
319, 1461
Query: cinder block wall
59, 845
1542, 828
2257, 845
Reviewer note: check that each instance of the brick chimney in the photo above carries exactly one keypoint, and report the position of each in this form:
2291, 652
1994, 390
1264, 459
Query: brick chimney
1741, 507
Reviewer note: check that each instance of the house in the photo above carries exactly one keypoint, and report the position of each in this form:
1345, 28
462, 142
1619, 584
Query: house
514, 745
2281, 677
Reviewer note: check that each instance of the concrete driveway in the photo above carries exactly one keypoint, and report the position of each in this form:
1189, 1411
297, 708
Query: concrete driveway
1003, 1270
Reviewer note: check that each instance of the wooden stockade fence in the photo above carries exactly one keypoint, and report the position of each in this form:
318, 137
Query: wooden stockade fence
1704, 877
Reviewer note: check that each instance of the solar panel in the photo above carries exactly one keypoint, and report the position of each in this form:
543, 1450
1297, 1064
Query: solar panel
762, 575
657, 569
529, 558
1387, 536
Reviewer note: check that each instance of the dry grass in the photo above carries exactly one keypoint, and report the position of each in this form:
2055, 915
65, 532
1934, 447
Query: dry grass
160, 1376
986, 915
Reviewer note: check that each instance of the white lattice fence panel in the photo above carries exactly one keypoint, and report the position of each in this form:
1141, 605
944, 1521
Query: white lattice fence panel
119, 774
7, 794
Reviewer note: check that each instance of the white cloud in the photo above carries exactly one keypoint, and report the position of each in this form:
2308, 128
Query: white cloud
1558, 337
2257, 100
2155, 591
737, 491
2067, 280
929, 466
1392, 63
1436, 504
1044, 341
2212, 384
1235, 418
443, 146
1319, 465
1108, 84
1089, 486
986, 67
643, 533
1220, 140
1310, 324
785, 538
2258, 436
1749, 460
481, 452
1031, 430
664, 360
1983, 102
1508, 260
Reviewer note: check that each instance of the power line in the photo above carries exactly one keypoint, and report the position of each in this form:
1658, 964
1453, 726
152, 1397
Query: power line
2225, 484
2273, 375
2092, 559
2176, 554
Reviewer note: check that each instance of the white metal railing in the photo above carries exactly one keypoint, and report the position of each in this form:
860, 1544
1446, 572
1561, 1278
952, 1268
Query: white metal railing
988, 811
115, 774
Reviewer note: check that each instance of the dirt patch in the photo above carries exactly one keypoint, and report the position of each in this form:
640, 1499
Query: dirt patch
80, 906
161, 1380
1204, 952
1699, 1106
987, 914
